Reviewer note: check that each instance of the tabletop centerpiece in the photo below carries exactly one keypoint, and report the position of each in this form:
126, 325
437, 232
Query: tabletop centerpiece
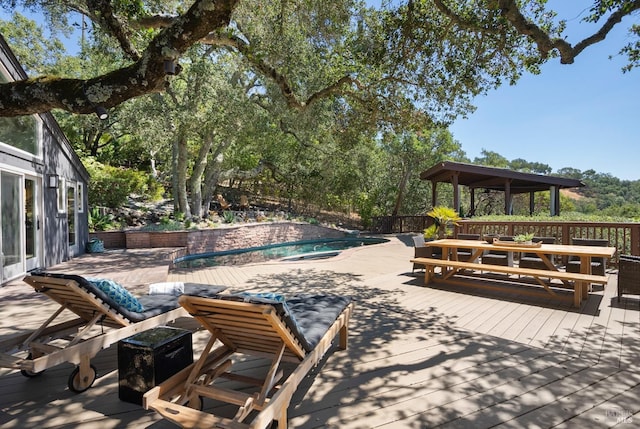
520, 240
526, 238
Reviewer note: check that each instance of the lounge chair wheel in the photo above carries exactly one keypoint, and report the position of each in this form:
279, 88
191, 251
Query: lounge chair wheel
28, 373
79, 384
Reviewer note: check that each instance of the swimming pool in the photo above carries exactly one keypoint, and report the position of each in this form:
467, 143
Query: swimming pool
291, 251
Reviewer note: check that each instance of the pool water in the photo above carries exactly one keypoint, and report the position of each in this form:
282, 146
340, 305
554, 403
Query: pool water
297, 250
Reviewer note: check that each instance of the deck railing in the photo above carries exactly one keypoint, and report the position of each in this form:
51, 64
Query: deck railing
624, 236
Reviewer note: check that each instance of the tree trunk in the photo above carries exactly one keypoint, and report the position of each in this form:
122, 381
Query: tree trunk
196, 175
154, 170
212, 174
401, 188
180, 177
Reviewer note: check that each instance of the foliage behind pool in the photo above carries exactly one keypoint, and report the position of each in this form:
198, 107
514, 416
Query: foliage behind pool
295, 250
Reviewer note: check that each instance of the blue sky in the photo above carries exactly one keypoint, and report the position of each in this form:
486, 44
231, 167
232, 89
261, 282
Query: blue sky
583, 115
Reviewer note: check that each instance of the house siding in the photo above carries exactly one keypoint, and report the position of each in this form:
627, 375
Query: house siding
57, 158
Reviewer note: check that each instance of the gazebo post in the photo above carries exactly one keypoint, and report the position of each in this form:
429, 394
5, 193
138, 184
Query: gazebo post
508, 198
472, 210
434, 193
456, 193
531, 202
554, 198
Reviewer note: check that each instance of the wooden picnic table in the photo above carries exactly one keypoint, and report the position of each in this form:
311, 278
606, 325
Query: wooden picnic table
579, 281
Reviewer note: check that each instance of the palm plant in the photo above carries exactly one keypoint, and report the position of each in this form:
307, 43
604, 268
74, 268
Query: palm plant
445, 219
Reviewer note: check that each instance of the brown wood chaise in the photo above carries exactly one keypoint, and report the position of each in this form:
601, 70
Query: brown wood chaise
105, 313
299, 330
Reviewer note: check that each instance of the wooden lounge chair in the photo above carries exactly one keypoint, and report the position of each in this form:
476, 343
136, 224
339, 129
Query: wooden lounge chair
102, 319
299, 331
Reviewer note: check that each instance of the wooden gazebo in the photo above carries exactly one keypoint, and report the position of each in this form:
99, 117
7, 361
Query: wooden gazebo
496, 179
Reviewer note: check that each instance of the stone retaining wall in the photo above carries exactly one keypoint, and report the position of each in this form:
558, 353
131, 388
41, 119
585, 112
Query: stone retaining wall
217, 239
111, 239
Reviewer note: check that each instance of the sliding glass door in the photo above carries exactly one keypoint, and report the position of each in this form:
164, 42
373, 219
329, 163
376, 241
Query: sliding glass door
20, 233
32, 223
11, 220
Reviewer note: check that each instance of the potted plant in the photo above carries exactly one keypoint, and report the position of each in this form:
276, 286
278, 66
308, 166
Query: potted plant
524, 238
445, 219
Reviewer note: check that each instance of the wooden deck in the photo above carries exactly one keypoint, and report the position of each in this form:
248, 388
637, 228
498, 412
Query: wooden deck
419, 357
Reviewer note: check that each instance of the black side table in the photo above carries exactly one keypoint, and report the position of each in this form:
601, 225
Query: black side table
148, 358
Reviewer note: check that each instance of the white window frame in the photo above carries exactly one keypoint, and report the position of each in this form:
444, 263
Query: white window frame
80, 197
61, 195
39, 134
71, 188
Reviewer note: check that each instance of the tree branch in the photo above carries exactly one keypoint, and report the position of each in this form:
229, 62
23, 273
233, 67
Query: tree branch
615, 18
279, 79
510, 11
103, 11
461, 22
145, 76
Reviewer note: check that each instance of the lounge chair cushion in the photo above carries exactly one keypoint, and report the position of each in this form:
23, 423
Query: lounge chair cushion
307, 316
170, 288
268, 297
315, 314
153, 304
117, 293
278, 302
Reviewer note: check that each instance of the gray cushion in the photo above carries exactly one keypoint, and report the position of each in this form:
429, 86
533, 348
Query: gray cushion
315, 314
307, 316
153, 304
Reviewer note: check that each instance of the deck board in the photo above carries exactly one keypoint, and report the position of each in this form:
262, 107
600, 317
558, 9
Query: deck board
581, 400
436, 356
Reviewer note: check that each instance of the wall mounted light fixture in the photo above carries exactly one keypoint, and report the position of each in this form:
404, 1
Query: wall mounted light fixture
169, 67
101, 113
52, 181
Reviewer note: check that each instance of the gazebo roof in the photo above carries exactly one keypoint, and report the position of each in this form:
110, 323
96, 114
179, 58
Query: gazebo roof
493, 178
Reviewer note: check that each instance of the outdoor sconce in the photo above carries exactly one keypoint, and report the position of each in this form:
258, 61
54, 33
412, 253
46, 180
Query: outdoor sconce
52, 181
101, 113
169, 67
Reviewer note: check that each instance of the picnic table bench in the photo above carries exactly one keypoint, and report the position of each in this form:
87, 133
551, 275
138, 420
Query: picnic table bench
580, 282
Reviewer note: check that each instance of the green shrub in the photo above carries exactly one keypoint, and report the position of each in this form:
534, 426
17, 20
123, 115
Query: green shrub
564, 217
110, 186
228, 217
155, 190
101, 222
165, 224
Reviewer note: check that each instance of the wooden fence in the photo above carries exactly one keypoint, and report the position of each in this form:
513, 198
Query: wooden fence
624, 236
